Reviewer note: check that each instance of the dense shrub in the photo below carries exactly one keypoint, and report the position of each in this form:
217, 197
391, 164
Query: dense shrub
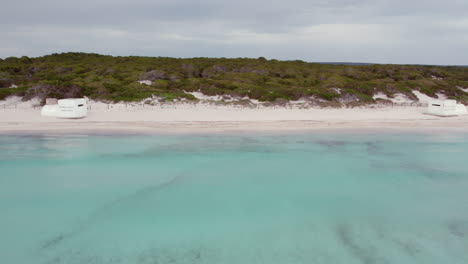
115, 78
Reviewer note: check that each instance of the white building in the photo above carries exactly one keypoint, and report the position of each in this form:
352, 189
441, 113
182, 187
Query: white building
445, 108
67, 108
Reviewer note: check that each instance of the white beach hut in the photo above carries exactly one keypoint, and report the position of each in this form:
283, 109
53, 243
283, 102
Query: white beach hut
445, 108
67, 108
50, 108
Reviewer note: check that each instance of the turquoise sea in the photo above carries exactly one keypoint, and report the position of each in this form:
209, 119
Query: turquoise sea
242, 198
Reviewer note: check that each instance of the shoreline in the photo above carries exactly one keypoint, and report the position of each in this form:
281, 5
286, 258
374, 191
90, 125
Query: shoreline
268, 127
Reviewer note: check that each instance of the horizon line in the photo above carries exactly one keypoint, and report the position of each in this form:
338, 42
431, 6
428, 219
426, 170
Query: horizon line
350, 63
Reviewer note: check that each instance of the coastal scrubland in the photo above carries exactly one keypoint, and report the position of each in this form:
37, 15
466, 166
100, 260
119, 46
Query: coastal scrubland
132, 78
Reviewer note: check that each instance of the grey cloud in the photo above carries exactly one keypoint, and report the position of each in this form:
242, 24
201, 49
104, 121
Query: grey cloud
337, 30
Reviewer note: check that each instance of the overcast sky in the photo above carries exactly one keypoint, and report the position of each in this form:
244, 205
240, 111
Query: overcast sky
382, 31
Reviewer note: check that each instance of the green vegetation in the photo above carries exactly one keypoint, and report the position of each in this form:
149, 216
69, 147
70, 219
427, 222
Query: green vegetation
115, 78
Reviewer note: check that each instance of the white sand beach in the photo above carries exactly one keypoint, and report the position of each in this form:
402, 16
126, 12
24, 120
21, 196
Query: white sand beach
194, 118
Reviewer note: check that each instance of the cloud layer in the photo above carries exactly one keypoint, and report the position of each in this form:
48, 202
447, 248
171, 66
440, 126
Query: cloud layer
427, 32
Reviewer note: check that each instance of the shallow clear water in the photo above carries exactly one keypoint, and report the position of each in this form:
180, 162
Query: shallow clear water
317, 198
